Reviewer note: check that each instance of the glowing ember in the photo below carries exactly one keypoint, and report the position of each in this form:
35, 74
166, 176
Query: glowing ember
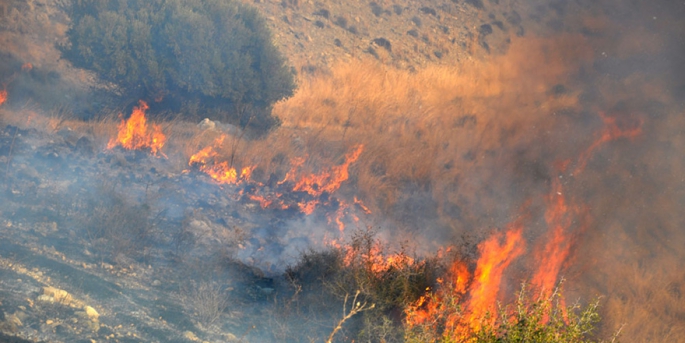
135, 134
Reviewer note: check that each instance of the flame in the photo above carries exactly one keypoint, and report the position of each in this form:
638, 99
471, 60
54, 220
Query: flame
135, 134
495, 257
477, 293
612, 130
557, 248
3, 96
221, 172
560, 214
26, 66
329, 180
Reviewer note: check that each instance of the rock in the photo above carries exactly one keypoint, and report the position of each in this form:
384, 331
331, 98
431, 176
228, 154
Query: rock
92, 313
60, 296
190, 336
45, 298
49, 321
11, 324
93, 326
206, 124
156, 283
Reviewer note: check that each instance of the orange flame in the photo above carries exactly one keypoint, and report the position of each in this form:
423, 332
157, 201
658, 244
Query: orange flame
328, 181
496, 254
612, 131
221, 172
3, 96
135, 134
495, 257
557, 249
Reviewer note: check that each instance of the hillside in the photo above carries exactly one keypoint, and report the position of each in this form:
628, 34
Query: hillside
435, 156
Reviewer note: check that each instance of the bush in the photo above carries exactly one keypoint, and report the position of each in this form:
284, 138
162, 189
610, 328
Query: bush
217, 53
544, 319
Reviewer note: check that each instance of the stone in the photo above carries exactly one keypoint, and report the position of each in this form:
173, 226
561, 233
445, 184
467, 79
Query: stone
190, 336
206, 124
60, 296
49, 321
45, 298
91, 313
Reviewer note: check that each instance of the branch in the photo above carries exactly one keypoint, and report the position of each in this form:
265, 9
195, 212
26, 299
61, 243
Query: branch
356, 308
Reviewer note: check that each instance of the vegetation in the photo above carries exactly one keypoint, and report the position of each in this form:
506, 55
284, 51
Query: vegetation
195, 56
529, 319
382, 297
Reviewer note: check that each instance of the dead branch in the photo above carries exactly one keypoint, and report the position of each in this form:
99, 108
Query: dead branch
356, 308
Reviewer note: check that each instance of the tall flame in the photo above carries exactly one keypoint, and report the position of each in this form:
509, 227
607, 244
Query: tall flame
558, 247
496, 254
135, 134
3, 96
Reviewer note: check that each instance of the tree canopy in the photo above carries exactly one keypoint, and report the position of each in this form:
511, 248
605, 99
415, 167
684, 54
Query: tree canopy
215, 55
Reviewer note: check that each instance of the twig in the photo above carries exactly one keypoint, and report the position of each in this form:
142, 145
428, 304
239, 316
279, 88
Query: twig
246, 332
9, 156
356, 308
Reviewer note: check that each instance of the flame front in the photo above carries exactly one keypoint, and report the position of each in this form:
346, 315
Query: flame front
136, 134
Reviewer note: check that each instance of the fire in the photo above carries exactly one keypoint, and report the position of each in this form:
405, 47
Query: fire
612, 130
221, 172
557, 249
373, 259
136, 134
496, 254
3, 96
329, 180
478, 293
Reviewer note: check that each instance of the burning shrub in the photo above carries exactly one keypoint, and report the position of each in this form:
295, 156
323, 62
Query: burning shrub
387, 283
528, 319
215, 54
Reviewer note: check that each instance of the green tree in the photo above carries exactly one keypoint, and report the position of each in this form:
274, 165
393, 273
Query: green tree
207, 56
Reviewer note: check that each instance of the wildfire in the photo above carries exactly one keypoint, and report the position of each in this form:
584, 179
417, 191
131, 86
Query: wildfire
557, 248
329, 180
477, 293
3, 96
612, 130
136, 134
221, 172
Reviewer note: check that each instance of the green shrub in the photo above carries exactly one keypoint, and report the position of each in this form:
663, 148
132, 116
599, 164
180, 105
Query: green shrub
215, 54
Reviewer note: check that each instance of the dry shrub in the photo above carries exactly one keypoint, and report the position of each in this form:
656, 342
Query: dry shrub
114, 224
208, 301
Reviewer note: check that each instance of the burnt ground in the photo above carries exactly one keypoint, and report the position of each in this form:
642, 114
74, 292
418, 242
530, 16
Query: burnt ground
119, 234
